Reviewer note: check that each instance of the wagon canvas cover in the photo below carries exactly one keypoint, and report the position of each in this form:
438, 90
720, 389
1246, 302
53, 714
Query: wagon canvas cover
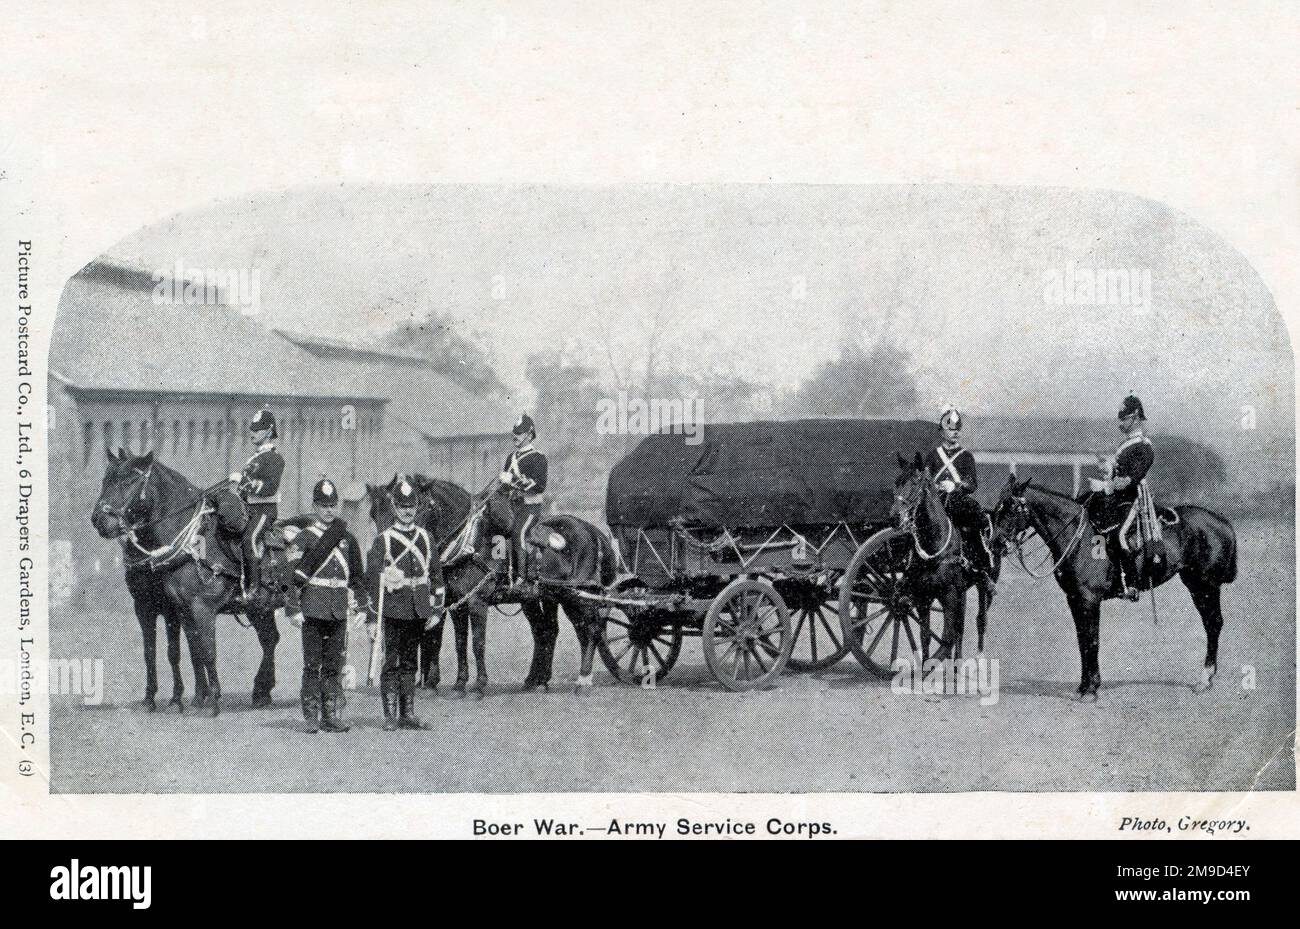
748, 475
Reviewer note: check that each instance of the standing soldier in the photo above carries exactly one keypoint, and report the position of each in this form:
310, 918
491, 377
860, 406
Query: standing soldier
327, 565
259, 486
404, 581
525, 474
953, 468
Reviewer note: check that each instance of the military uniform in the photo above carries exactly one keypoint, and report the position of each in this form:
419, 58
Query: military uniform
525, 474
259, 486
404, 578
953, 468
1110, 508
320, 594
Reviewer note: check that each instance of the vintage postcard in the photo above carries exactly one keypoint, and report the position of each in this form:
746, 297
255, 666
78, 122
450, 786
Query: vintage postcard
673, 420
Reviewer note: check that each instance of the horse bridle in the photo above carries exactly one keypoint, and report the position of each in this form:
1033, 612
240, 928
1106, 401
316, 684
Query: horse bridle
1021, 510
143, 480
909, 523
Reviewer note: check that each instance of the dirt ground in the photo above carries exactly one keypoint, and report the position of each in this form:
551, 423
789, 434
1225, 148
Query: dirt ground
833, 731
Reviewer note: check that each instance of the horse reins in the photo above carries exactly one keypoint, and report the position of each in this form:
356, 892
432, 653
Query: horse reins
1074, 542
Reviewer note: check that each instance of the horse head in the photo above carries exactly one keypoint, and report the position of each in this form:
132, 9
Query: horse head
128, 496
1011, 515
914, 491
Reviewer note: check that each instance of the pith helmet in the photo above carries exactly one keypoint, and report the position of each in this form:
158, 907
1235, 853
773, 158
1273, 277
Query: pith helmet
325, 493
525, 425
1132, 405
264, 419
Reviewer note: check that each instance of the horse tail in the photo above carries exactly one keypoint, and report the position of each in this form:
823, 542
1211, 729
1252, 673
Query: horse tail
1230, 569
607, 561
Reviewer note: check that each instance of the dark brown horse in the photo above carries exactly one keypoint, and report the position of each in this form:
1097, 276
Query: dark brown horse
1200, 548
442, 511
140, 494
149, 600
938, 571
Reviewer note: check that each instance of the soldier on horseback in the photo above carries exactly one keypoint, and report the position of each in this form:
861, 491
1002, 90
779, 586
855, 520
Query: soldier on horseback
1115, 500
259, 486
524, 474
953, 468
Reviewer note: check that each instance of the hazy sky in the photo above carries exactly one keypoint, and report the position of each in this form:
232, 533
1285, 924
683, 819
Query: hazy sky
767, 280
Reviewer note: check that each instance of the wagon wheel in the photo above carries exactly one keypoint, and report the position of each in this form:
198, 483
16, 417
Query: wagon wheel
818, 636
881, 623
747, 635
636, 638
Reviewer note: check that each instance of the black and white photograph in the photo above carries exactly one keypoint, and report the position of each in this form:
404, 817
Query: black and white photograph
859, 421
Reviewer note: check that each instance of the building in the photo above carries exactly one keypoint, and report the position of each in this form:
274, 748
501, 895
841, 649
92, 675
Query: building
433, 424
184, 380
1059, 453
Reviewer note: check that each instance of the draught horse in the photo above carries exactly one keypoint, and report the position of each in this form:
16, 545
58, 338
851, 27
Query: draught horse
938, 570
143, 501
576, 555
1200, 548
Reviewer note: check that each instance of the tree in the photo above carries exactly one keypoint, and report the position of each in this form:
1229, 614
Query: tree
874, 380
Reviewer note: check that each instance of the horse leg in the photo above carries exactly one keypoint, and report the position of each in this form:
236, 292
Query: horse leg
981, 618
268, 636
585, 628
172, 626
460, 630
1087, 627
954, 618
478, 629
544, 622
430, 652
1205, 596
144, 614
205, 622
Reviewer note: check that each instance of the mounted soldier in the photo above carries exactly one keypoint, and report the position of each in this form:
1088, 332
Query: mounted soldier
1121, 498
524, 474
328, 567
404, 581
259, 487
953, 468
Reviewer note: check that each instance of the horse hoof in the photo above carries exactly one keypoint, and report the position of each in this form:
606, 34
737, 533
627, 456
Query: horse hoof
198, 700
178, 703
148, 704
261, 700
1088, 696
457, 693
214, 708
581, 690
478, 694
535, 688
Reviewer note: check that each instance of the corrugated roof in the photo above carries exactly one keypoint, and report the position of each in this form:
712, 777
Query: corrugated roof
419, 395
110, 335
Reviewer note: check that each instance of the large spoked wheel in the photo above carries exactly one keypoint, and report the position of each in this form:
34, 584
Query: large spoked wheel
747, 635
881, 623
818, 637
636, 639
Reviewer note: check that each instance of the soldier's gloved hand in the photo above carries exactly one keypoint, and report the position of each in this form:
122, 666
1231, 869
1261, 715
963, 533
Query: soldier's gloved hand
506, 478
434, 618
295, 619
372, 627
235, 477
947, 485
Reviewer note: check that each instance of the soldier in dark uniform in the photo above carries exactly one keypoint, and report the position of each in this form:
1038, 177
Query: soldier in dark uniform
525, 474
953, 468
1113, 497
327, 565
259, 486
404, 580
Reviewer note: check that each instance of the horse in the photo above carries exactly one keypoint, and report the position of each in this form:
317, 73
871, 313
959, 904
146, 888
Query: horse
1200, 548
149, 601
939, 571
141, 494
442, 511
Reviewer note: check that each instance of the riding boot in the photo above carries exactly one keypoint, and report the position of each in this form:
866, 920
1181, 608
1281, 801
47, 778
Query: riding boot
407, 718
389, 699
330, 721
311, 712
